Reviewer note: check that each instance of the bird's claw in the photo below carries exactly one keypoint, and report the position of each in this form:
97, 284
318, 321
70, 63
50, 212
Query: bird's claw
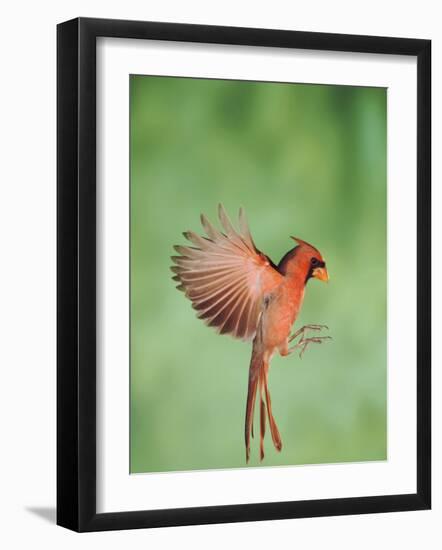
305, 328
304, 342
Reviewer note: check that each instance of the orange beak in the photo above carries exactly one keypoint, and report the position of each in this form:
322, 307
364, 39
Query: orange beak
321, 274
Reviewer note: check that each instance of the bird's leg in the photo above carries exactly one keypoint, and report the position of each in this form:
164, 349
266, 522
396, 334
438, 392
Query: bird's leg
304, 328
303, 341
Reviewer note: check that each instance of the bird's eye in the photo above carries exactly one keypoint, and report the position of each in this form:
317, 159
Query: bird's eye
314, 261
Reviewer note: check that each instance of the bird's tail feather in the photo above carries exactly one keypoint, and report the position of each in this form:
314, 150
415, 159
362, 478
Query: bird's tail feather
276, 437
258, 380
262, 417
254, 375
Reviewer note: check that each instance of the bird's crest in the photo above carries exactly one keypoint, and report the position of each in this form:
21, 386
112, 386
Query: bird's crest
301, 242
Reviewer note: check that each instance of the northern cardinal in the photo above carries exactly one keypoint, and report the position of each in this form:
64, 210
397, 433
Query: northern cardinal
238, 290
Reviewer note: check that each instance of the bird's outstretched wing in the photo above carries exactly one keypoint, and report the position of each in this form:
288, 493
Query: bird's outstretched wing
225, 276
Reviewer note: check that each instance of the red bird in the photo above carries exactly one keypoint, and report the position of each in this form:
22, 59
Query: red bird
238, 290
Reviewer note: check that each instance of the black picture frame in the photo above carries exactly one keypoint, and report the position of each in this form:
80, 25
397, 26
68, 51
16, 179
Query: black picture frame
77, 287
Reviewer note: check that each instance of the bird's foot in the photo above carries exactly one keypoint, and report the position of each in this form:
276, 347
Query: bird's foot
304, 342
303, 329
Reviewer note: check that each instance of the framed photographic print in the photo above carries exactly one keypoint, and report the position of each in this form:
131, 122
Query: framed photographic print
210, 181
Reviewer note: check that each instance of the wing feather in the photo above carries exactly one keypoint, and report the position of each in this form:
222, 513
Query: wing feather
245, 231
225, 276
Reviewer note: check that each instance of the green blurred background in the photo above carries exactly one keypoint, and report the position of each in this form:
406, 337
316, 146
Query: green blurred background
303, 160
